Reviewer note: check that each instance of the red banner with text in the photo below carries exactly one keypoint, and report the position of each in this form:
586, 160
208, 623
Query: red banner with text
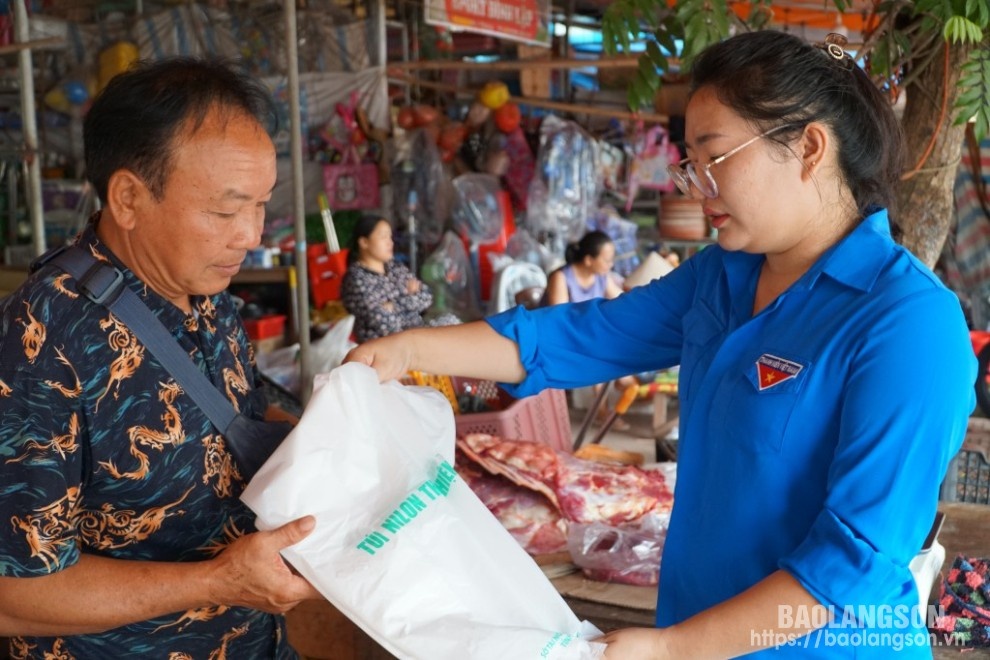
527, 21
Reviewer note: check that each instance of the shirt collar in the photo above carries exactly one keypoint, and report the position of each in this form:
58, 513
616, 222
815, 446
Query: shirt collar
856, 260
852, 261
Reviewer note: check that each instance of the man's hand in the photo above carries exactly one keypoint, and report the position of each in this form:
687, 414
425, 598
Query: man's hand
251, 572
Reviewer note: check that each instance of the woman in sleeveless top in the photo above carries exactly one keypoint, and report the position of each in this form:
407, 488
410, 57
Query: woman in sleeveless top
587, 274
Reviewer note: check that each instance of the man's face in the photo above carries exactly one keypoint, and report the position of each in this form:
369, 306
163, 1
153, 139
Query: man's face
212, 211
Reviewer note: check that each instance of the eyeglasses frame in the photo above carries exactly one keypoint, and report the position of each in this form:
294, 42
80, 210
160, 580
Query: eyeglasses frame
684, 171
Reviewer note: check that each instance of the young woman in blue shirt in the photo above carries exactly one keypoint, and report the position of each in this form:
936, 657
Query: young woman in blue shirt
825, 373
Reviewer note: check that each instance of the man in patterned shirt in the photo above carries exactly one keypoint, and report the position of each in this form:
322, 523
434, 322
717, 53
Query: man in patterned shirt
121, 531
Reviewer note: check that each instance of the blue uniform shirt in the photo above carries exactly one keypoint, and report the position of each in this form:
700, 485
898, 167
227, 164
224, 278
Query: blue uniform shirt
813, 436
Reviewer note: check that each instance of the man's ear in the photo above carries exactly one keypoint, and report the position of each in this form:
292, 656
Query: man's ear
126, 194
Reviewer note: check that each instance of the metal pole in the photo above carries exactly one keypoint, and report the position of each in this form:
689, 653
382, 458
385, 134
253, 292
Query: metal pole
298, 203
29, 121
379, 16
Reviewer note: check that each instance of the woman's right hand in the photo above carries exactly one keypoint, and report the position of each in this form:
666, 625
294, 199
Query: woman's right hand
390, 356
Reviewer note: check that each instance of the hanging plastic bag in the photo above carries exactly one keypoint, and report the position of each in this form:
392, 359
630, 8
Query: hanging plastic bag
477, 212
566, 186
402, 546
421, 187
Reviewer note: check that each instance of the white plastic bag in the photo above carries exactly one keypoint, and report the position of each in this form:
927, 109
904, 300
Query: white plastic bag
402, 546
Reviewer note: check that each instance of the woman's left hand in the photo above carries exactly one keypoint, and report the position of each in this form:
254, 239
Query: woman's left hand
412, 286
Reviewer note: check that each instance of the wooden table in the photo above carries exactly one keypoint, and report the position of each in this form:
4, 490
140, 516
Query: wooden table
966, 531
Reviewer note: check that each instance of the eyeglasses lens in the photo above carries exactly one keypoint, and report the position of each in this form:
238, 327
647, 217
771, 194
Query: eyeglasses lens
686, 175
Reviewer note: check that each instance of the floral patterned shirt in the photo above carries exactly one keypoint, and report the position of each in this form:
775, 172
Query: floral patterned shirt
102, 453
381, 303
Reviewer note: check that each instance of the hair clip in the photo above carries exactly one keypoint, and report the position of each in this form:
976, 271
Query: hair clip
834, 46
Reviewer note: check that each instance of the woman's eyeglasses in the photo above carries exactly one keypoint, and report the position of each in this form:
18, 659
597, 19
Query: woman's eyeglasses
685, 173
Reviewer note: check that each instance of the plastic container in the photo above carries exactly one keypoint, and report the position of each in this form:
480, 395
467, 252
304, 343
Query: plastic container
542, 417
326, 273
265, 327
967, 479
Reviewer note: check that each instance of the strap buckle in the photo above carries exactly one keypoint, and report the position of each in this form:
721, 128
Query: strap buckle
101, 283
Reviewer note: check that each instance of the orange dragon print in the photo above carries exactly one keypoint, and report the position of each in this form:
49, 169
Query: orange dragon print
59, 285
219, 463
108, 529
66, 392
130, 358
60, 444
207, 312
235, 380
192, 616
58, 652
46, 530
221, 653
34, 335
20, 649
5, 389
231, 532
173, 434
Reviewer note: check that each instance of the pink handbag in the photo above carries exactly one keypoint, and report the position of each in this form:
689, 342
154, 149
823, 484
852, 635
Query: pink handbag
351, 184
652, 153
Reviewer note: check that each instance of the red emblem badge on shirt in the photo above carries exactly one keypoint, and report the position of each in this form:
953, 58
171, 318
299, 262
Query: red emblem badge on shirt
773, 370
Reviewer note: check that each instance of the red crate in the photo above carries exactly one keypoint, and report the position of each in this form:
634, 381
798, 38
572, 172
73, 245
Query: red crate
265, 327
326, 272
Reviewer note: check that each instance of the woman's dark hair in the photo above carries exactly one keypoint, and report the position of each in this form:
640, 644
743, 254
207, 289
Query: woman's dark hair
590, 245
362, 229
134, 121
774, 79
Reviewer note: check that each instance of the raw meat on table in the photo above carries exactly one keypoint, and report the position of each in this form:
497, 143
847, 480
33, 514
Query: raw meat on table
584, 491
531, 519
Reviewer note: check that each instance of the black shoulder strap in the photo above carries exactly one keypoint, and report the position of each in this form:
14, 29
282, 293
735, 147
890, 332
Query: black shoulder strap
103, 284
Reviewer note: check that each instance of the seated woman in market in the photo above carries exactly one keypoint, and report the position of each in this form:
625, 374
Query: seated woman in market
383, 295
588, 273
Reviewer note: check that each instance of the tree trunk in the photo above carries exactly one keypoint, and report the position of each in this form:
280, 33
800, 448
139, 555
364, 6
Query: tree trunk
925, 199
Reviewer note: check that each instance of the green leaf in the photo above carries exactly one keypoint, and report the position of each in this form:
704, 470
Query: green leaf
969, 96
959, 29
721, 21
666, 39
647, 72
981, 127
656, 55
